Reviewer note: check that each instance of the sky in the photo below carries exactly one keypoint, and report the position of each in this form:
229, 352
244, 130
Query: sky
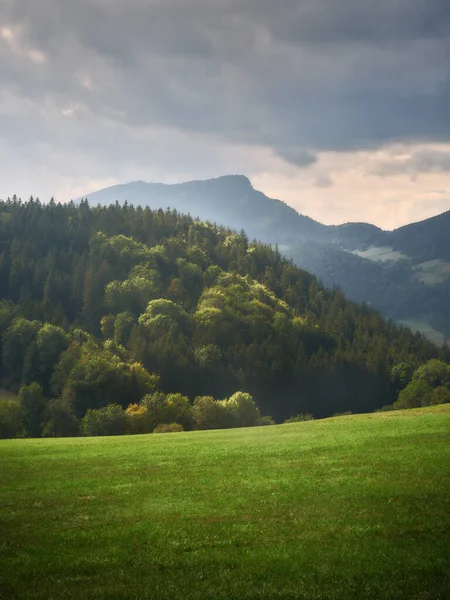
341, 108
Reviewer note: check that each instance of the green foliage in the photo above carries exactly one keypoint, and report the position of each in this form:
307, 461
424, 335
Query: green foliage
123, 325
300, 418
32, 404
138, 418
17, 342
240, 410
416, 394
401, 375
441, 395
60, 420
133, 294
51, 343
109, 420
435, 372
93, 376
208, 413
170, 408
164, 317
11, 419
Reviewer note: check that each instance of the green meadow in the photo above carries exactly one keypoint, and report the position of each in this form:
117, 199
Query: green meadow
352, 507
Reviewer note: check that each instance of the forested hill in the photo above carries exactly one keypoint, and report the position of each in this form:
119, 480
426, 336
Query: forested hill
404, 287
95, 300
230, 200
425, 240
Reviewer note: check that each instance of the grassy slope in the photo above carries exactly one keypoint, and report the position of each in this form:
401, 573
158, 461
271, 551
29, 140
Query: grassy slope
352, 507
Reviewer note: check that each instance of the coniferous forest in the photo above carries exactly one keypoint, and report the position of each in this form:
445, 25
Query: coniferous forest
120, 319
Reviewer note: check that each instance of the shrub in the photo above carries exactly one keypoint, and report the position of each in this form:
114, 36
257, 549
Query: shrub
241, 410
300, 418
170, 408
345, 413
109, 420
416, 394
168, 428
441, 395
208, 413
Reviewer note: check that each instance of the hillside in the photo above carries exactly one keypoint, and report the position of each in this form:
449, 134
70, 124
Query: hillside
413, 290
121, 305
425, 241
344, 508
229, 201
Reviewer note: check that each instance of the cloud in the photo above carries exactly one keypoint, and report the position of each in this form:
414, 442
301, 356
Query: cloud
273, 84
414, 162
316, 75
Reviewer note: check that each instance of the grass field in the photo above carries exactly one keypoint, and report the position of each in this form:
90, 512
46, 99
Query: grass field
353, 507
381, 254
432, 272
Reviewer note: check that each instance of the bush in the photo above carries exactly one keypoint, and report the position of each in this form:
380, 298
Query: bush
346, 413
168, 428
441, 395
208, 413
241, 410
109, 420
300, 418
11, 419
33, 405
170, 408
416, 394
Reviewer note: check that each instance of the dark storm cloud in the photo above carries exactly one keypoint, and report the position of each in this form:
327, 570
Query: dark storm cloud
422, 160
299, 77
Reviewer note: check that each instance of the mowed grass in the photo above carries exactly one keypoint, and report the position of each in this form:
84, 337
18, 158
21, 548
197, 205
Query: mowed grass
381, 254
352, 507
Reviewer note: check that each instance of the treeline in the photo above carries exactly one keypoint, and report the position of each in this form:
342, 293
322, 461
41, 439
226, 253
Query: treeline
99, 303
428, 385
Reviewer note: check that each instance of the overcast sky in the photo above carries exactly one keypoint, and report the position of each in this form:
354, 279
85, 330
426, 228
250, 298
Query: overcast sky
339, 107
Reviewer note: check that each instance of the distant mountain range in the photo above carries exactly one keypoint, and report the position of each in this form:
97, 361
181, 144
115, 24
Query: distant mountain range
404, 273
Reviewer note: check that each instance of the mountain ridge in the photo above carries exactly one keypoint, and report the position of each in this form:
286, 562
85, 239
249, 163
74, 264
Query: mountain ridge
384, 268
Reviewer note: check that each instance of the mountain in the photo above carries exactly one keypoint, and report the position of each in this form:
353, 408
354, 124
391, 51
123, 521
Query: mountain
230, 201
403, 273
